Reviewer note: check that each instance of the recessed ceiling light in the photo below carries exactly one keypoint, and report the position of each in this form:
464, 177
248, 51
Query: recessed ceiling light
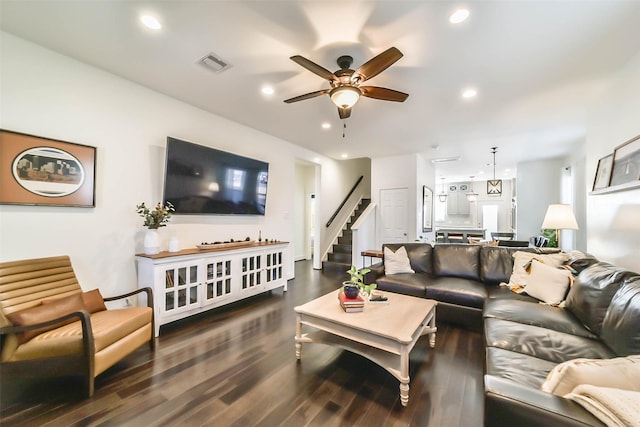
326, 125
150, 22
344, 156
480, 172
460, 15
267, 90
469, 93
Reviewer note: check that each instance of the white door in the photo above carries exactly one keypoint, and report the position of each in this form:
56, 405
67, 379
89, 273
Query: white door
393, 215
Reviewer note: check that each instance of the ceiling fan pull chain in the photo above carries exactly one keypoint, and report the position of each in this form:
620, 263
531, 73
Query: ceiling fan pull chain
344, 128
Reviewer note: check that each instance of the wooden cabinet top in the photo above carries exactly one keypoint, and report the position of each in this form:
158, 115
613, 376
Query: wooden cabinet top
223, 247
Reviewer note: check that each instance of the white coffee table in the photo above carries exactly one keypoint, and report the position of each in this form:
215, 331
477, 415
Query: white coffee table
383, 333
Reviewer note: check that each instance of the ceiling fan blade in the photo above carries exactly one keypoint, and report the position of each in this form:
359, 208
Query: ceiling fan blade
344, 113
307, 96
383, 93
377, 64
313, 67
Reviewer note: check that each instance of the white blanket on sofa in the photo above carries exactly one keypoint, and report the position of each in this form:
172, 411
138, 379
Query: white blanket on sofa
612, 406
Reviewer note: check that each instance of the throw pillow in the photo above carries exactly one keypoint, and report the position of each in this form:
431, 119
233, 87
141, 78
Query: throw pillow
522, 259
93, 301
546, 283
45, 312
398, 262
619, 372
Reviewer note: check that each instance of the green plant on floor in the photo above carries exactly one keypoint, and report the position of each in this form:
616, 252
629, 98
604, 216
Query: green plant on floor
356, 278
550, 234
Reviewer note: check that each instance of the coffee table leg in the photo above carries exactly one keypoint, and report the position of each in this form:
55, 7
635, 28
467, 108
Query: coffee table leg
432, 324
298, 337
404, 374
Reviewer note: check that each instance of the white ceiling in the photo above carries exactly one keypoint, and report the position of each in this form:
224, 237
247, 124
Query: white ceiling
536, 66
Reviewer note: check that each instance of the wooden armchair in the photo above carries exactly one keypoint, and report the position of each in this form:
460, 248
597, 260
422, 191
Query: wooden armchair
49, 327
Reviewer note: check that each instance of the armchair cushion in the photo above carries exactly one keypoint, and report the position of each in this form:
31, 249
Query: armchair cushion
108, 326
44, 313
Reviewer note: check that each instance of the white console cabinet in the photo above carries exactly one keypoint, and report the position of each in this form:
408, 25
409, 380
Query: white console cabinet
191, 281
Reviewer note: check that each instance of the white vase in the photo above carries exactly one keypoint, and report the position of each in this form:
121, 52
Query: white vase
151, 242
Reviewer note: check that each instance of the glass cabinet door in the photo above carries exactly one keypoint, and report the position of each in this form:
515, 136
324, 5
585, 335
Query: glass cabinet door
180, 288
218, 280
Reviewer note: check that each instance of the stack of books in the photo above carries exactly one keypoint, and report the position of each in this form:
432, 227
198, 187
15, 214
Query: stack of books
351, 305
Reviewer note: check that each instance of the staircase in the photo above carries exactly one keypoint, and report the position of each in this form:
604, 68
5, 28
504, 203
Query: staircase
339, 259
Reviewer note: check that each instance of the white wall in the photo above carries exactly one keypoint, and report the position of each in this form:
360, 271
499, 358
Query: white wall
50, 95
304, 187
538, 186
613, 232
407, 171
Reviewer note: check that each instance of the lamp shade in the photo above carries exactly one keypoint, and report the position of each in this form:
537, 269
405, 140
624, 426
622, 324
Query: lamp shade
345, 96
560, 217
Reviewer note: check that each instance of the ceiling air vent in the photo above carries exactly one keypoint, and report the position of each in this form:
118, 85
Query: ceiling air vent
445, 159
213, 62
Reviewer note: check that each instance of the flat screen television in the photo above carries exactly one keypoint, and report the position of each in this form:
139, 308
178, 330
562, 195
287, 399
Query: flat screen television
203, 180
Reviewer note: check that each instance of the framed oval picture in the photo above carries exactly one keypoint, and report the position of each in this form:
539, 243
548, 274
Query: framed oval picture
43, 171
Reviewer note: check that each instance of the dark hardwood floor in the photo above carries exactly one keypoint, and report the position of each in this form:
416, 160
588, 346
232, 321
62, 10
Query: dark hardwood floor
236, 366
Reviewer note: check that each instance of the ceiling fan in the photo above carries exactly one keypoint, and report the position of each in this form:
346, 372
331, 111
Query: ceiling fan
345, 83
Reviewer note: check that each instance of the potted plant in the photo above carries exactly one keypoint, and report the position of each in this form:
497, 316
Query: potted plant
356, 280
154, 219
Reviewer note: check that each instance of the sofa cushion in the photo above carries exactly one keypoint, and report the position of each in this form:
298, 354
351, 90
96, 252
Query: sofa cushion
454, 290
518, 367
456, 260
620, 328
542, 343
419, 255
504, 292
413, 284
496, 264
578, 260
108, 327
44, 313
533, 313
546, 283
619, 372
592, 291
396, 262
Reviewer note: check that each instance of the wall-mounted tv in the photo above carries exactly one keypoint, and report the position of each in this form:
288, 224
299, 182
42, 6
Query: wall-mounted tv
203, 180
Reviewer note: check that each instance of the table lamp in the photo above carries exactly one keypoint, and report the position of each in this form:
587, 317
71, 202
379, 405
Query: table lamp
559, 217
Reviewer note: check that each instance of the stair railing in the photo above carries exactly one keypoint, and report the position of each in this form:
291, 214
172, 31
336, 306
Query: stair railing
344, 201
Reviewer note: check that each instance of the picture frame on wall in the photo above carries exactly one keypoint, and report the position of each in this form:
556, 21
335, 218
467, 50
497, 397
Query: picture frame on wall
41, 171
603, 172
427, 209
626, 162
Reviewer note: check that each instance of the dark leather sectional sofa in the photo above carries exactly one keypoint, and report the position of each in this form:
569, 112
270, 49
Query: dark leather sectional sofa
524, 339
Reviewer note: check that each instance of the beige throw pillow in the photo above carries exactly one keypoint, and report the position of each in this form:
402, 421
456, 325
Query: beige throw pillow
519, 275
546, 283
619, 372
398, 262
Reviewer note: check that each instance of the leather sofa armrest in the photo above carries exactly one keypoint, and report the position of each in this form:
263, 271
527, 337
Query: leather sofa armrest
377, 271
510, 403
146, 290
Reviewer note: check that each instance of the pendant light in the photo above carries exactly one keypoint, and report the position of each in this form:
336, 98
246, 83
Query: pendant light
494, 186
442, 196
471, 196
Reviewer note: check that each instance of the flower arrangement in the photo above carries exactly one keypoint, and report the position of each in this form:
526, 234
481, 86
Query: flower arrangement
159, 217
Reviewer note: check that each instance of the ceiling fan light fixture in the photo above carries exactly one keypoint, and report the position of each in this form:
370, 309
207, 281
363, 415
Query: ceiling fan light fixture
345, 96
